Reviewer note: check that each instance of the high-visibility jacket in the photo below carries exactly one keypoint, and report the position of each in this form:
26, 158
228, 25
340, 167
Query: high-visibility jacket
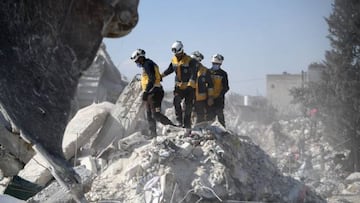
204, 85
220, 81
150, 76
185, 70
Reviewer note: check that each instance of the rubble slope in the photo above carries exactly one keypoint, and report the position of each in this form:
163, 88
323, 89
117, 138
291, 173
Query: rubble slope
207, 163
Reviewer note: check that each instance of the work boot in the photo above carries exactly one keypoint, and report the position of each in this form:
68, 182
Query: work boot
178, 124
151, 134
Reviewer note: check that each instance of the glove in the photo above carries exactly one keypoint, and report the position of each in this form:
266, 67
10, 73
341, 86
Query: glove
145, 96
162, 76
210, 101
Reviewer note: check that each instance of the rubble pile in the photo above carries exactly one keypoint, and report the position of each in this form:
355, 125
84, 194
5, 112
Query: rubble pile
208, 163
306, 156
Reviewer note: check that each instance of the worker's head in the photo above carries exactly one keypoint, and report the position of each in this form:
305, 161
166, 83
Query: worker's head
197, 55
138, 56
216, 61
178, 49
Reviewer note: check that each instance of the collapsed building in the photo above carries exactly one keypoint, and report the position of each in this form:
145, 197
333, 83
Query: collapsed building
247, 162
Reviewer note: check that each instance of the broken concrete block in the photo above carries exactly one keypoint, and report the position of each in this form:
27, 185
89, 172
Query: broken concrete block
83, 126
3, 184
354, 177
123, 117
186, 149
89, 163
15, 145
130, 141
354, 188
167, 185
36, 171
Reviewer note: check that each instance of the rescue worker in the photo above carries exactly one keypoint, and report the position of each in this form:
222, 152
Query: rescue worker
221, 86
153, 92
203, 89
184, 67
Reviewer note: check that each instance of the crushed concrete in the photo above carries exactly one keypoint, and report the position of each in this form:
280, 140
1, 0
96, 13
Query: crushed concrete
206, 163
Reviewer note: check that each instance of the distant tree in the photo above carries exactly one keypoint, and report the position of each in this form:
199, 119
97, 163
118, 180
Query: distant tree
337, 95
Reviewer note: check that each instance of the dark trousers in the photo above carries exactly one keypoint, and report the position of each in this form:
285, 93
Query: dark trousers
153, 109
217, 110
201, 109
188, 95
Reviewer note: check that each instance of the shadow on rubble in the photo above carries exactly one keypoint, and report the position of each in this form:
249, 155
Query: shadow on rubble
21, 188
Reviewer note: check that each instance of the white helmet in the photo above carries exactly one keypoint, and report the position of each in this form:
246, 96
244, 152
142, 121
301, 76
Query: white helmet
136, 54
177, 47
217, 58
197, 55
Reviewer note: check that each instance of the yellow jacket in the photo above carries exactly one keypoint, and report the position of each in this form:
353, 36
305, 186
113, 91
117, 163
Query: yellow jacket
150, 76
204, 84
185, 70
220, 81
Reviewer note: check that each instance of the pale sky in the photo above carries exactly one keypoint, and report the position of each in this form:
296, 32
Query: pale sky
256, 37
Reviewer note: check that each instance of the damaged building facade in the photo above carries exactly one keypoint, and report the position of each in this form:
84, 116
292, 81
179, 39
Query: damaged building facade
278, 88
